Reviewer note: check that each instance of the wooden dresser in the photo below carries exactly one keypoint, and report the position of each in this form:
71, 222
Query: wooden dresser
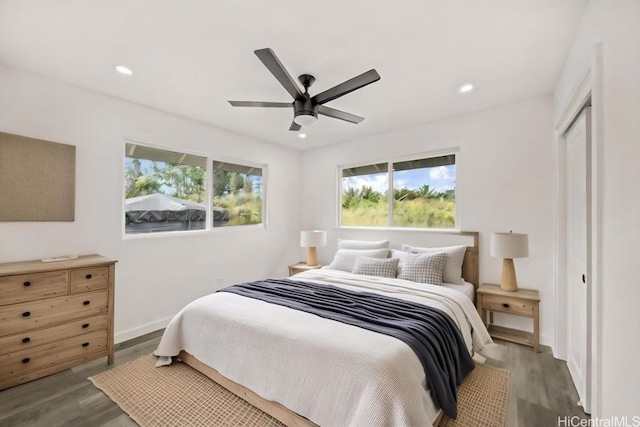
54, 316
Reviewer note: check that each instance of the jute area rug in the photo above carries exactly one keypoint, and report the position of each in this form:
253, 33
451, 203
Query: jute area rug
178, 395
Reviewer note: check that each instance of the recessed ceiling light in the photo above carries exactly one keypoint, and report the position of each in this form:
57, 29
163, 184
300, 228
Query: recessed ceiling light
302, 135
466, 88
124, 70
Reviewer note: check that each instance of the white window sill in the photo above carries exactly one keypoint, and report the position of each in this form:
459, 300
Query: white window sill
169, 234
407, 229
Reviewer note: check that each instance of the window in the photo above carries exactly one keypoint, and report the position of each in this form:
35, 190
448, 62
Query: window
167, 191
237, 194
417, 193
164, 190
364, 195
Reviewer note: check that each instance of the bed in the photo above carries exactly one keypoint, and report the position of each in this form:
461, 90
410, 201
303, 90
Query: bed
306, 370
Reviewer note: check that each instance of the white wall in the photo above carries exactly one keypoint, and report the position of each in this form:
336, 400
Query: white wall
616, 24
154, 277
505, 182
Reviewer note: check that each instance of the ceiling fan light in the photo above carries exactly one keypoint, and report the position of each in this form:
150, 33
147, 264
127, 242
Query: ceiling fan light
305, 118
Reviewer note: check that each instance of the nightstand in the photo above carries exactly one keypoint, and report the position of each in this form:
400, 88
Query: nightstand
523, 302
300, 267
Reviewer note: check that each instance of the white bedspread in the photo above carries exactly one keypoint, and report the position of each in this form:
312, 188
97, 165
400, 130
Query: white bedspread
331, 373
466, 288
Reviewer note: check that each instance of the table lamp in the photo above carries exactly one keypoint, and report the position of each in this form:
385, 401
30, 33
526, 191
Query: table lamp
312, 239
509, 246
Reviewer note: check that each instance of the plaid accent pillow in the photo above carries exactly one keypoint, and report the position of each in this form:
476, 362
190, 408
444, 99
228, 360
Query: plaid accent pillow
452, 266
376, 267
423, 268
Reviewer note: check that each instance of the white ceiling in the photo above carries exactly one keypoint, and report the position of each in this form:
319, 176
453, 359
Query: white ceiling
189, 57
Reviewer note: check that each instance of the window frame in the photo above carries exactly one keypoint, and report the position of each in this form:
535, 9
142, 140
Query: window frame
439, 153
208, 190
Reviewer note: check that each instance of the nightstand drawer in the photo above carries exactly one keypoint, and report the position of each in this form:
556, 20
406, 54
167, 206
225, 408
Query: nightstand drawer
508, 305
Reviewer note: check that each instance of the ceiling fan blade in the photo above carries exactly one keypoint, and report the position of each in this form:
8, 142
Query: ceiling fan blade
273, 64
295, 127
337, 114
347, 87
260, 104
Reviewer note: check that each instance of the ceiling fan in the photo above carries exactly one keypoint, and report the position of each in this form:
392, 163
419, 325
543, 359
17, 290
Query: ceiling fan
305, 107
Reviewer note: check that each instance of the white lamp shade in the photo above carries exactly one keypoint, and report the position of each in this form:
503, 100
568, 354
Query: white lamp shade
509, 245
313, 238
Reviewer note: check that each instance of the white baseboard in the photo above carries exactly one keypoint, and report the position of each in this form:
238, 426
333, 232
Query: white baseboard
141, 330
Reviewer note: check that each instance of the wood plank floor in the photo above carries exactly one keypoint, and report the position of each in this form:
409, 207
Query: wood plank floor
541, 388
541, 391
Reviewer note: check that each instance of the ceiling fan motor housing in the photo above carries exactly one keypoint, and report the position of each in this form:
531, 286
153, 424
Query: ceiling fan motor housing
305, 107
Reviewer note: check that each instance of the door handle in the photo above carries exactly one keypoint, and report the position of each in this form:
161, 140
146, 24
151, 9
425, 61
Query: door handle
584, 279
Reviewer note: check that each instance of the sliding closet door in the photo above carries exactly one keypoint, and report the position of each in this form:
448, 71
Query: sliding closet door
578, 143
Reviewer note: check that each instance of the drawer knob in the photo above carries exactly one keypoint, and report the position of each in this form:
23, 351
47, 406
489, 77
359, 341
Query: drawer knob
27, 283
85, 326
26, 314
26, 360
88, 276
85, 344
86, 302
505, 305
26, 340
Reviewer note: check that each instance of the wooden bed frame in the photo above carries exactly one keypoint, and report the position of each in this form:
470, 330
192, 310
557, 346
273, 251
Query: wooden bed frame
470, 273
276, 410
471, 263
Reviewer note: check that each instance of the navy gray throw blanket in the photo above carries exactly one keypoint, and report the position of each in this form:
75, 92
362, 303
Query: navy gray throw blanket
430, 333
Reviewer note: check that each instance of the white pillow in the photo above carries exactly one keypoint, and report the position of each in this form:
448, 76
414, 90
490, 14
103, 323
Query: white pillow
362, 244
376, 267
345, 259
424, 268
453, 264
401, 256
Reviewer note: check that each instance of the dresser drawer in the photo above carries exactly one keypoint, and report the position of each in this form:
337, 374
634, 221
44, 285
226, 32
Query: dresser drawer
44, 356
89, 279
507, 305
29, 339
31, 287
40, 314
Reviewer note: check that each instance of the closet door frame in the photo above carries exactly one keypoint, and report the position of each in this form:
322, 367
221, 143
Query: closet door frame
588, 89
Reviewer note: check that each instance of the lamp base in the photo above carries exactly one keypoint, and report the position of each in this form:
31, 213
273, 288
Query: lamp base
312, 257
508, 281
